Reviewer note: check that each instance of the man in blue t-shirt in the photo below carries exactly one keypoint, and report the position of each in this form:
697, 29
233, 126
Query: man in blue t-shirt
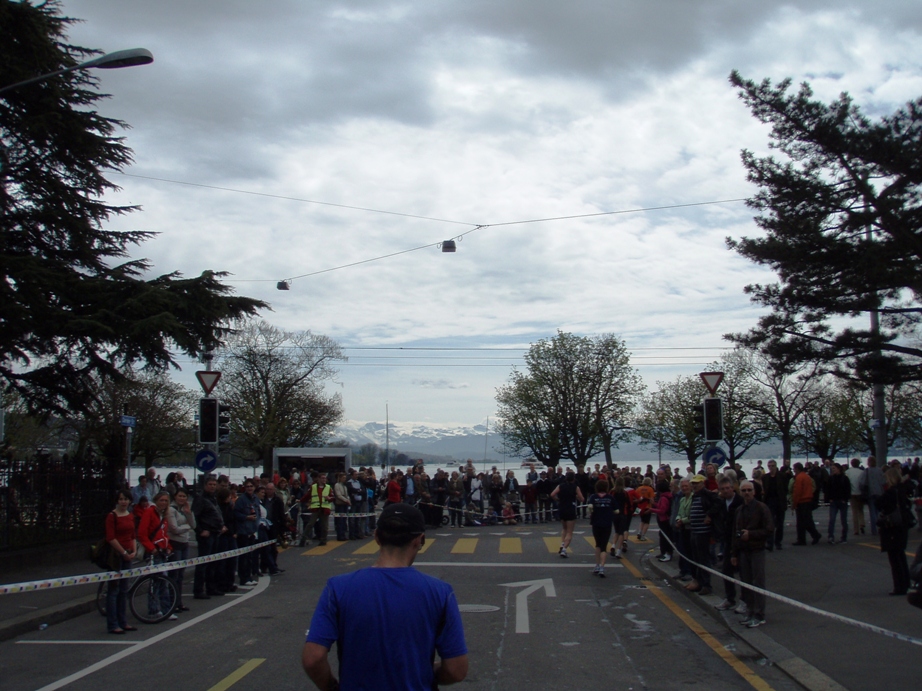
388, 621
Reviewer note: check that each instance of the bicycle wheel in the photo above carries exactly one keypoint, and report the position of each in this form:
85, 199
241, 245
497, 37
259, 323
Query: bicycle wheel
152, 599
101, 597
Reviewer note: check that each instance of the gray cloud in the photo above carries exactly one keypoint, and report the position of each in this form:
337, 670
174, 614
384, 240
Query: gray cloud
481, 112
439, 384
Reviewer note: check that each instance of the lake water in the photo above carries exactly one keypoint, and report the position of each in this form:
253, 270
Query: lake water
238, 474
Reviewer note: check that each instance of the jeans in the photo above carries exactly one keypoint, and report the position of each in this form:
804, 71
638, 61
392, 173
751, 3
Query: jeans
248, 563
454, 512
357, 525
180, 552
159, 599
531, 513
340, 520
117, 602
840, 507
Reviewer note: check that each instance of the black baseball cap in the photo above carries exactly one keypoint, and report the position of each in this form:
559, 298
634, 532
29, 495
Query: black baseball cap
402, 519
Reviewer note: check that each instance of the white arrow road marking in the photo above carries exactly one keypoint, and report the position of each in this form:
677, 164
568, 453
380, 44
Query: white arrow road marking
521, 599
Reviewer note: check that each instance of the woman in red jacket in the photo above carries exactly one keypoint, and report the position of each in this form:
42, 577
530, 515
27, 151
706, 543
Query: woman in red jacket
120, 536
153, 534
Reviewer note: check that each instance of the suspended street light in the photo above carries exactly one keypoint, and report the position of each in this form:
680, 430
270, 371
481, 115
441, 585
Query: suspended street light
110, 61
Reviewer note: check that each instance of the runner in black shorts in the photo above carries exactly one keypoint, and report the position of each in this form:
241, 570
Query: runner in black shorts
600, 504
567, 495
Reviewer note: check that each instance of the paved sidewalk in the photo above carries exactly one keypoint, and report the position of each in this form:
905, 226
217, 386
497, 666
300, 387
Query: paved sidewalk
851, 580
22, 612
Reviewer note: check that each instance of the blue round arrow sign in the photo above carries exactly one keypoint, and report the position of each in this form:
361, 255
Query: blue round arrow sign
206, 460
715, 455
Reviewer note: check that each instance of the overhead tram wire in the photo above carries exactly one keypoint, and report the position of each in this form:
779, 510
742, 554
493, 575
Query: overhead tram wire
477, 226
481, 226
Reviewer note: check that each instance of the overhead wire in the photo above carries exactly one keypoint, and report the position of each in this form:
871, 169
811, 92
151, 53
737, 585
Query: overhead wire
477, 226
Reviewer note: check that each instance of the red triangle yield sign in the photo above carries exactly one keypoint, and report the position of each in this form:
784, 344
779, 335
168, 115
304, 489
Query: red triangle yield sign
208, 380
712, 380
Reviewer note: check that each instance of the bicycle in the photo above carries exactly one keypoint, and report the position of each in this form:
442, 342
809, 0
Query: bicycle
148, 597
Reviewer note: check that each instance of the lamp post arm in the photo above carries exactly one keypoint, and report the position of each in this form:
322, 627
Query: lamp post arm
120, 58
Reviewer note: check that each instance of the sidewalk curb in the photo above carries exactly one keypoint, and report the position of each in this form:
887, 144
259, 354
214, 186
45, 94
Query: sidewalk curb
50, 615
799, 670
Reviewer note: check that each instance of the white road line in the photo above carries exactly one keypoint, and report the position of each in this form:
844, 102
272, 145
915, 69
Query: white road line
263, 584
551, 565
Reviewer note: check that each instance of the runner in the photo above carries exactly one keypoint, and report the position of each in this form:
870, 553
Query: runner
600, 504
621, 516
567, 495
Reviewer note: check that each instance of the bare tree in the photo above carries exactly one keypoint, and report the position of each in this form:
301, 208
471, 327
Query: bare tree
787, 393
274, 381
667, 420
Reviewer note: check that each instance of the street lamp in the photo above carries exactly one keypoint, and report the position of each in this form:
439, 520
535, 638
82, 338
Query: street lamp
109, 61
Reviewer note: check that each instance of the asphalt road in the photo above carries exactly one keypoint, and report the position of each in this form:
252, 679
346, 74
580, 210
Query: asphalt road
532, 620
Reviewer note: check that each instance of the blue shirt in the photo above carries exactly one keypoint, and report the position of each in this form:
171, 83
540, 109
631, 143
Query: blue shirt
387, 623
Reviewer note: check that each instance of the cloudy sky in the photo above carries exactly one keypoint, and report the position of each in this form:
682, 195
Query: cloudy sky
284, 140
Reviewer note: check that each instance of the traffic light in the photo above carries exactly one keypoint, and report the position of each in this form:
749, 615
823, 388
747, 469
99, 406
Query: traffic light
713, 419
208, 421
698, 415
224, 418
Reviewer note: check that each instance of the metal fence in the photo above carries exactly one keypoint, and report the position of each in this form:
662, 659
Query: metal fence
45, 500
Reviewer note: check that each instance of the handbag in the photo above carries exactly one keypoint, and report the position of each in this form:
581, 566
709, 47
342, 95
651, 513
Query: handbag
102, 554
892, 520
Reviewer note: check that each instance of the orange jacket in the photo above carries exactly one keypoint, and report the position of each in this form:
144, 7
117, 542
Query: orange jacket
803, 488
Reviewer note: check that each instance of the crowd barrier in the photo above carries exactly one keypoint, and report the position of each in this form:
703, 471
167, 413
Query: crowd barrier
104, 576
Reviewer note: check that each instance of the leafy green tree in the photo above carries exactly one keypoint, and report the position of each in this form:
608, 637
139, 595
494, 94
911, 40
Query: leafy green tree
786, 394
273, 380
575, 401
667, 418
832, 424
530, 421
842, 222
162, 408
616, 389
73, 309
903, 413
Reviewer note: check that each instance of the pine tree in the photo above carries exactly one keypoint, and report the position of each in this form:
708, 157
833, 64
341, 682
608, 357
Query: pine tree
71, 306
842, 222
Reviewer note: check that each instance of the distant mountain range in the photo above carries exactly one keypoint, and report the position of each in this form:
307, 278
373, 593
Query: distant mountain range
460, 442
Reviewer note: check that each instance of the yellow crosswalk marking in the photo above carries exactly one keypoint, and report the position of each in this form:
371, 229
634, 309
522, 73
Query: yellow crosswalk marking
323, 549
510, 545
368, 548
553, 544
465, 545
590, 540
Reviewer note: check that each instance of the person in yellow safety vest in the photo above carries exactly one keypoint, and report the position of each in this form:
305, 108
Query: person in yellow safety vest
320, 503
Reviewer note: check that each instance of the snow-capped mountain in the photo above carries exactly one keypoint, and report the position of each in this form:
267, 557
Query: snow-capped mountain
477, 442
457, 441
